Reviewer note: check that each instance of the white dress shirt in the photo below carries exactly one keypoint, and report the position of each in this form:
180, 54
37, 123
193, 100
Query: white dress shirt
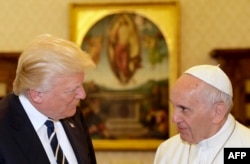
38, 119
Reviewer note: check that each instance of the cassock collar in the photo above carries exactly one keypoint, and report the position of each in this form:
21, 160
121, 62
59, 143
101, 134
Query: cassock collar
221, 136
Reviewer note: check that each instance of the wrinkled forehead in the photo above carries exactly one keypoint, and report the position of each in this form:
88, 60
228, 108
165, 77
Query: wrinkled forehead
187, 86
187, 81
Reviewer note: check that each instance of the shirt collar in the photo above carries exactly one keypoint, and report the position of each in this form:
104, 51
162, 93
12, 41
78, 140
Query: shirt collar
37, 118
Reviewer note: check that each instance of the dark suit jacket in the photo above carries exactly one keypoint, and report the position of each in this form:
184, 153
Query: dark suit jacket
20, 144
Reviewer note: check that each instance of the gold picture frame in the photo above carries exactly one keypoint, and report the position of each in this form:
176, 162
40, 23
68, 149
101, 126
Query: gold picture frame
165, 15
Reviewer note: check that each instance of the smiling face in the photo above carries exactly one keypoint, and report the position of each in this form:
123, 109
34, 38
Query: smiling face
193, 114
61, 101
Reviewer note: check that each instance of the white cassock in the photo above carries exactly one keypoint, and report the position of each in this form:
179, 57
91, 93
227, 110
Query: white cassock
208, 151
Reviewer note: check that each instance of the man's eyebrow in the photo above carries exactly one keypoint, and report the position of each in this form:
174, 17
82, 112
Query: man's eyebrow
72, 90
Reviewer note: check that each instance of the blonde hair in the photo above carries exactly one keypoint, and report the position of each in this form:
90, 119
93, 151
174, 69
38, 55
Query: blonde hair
45, 58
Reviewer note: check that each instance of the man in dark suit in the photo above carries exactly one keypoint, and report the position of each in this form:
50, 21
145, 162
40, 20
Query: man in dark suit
47, 88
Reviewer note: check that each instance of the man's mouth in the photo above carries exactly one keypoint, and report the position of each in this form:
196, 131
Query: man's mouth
181, 129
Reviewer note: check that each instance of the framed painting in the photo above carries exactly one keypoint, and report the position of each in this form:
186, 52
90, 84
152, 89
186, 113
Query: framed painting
135, 48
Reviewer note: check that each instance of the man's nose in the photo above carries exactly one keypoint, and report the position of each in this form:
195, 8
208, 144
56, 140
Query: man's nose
175, 117
81, 94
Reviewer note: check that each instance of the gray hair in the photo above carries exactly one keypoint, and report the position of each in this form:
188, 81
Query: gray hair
214, 95
45, 58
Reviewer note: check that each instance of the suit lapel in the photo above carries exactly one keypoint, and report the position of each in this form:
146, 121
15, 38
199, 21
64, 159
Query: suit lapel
77, 139
24, 134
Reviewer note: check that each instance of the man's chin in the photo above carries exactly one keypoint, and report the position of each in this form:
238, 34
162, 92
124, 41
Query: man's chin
185, 138
71, 112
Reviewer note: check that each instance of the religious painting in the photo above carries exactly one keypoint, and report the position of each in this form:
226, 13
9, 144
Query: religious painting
134, 51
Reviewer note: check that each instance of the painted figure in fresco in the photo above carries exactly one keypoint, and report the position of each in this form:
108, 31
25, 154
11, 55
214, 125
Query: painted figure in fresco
96, 124
131, 52
123, 47
94, 46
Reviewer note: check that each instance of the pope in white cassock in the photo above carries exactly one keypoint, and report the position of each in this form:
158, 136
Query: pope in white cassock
202, 100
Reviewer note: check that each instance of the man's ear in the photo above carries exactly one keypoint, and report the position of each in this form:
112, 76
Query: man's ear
220, 110
35, 96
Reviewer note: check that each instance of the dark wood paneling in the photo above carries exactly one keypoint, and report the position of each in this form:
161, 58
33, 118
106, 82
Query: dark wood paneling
236, 63
8, 64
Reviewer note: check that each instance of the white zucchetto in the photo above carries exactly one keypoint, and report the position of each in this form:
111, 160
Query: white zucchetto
212, 75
